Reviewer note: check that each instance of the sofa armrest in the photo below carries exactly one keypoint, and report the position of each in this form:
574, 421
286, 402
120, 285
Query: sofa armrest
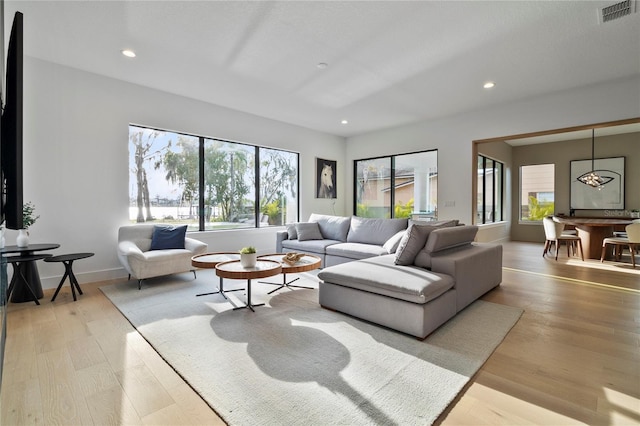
476, 269
195, 246
280, 237
129, 249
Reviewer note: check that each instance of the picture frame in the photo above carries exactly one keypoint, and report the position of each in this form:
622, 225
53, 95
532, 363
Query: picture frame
610, 196
326, 178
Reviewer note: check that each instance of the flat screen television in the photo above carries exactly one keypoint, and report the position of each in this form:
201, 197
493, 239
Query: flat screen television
11, 130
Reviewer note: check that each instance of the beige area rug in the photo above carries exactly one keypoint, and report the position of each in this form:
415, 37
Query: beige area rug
292, 362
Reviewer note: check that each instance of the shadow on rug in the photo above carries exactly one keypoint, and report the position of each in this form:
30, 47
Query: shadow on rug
292, 362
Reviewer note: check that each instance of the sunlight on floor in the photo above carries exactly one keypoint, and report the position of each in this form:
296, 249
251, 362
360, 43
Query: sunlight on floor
620, 407
502, 407
607, 265
576, 281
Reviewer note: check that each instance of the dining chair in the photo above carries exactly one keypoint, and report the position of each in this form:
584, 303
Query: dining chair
553, 234
632, 240
565, 231
624, 233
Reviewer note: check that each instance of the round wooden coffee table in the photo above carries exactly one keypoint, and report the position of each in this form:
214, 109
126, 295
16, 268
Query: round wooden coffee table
209, 261
234, 270
306, 263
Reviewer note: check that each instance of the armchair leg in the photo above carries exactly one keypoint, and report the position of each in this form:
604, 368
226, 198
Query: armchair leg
129, 277
139, 284
194, 274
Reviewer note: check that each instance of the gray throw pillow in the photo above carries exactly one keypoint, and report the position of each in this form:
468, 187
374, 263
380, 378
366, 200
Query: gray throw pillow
332, 227
391, 245
308, 231
291, 231
412, 242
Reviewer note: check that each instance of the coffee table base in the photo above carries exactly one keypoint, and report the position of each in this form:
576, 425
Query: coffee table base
249, 304
284, 283
221, 290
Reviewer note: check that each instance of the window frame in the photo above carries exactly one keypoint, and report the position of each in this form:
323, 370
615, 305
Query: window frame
497, 193
201, 223
521, 220
392, 179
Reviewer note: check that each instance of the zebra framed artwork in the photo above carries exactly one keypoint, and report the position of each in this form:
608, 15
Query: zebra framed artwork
326, 178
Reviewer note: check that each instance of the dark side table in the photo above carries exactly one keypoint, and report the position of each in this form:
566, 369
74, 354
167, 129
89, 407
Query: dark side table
67, 260
25, 282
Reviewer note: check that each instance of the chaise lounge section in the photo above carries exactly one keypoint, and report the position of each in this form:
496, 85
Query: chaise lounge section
435, 273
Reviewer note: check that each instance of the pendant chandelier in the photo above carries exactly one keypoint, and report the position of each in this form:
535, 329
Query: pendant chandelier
593, 178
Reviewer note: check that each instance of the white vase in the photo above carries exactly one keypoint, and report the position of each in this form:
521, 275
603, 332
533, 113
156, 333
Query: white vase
22, 240
248, 260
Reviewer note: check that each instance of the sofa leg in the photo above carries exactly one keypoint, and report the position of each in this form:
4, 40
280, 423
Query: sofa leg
129, 277
139, 284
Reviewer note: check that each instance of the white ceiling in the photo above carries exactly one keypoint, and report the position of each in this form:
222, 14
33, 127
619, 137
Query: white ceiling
390, 62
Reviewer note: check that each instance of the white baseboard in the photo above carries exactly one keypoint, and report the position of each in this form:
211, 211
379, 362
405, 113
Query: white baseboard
85, 277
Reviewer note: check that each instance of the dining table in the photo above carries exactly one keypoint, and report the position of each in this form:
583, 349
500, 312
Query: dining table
592, 231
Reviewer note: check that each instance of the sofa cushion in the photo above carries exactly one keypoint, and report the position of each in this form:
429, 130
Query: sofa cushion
374, 230
168, 237
310, 246
443, 239
292, 234
379, 275
391, 245
439, 223
332, 227
355, 250
308, 231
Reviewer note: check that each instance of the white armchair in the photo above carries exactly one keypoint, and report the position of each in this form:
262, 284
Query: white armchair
134, 243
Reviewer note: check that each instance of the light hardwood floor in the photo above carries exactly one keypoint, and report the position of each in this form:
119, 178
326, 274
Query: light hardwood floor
573, 358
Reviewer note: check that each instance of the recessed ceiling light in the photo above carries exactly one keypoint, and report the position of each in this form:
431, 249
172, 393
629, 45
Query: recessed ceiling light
344, 122
489, 85
129, 53
322, 65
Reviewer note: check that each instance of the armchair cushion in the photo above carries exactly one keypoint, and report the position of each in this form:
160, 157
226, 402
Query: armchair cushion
168, 237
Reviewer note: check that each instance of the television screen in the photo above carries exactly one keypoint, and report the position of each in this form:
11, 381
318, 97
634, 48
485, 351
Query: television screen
11, 155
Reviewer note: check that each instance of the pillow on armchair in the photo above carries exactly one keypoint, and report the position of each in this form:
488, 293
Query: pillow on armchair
168, 237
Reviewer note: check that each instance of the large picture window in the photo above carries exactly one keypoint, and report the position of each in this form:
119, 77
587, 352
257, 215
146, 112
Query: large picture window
397, 186
209, 184
490, 190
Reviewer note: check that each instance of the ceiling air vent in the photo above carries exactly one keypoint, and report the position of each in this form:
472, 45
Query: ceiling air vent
617, 10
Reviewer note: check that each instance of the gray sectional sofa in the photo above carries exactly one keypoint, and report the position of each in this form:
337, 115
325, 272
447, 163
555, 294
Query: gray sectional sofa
412, 280
339, 239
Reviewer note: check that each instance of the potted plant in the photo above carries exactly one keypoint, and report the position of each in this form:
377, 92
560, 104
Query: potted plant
28, 219
248, 257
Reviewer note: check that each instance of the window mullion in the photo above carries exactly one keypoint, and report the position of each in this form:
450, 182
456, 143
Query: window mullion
256, 204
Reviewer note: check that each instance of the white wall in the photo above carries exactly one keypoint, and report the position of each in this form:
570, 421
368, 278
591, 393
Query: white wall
453, 136
76, 153
76, 161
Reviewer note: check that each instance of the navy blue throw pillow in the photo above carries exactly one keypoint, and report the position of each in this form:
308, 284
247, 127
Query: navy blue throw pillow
168, 237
